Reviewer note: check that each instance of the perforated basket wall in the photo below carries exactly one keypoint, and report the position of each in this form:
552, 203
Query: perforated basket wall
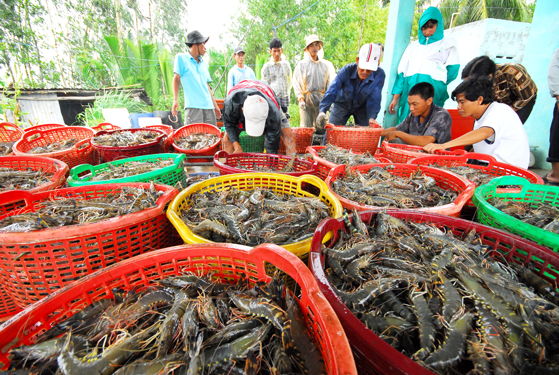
105, 126
227, 263
171, 175
35, 264
193, 129
358, 140
373, 356
444, 179
81, 153
9, 133
43, 127
404, 153
251, 144
493, 167
109, 153
246, 163
532, 193
303, 139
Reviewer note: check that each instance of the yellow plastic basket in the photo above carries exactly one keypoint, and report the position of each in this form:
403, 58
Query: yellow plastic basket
304, 186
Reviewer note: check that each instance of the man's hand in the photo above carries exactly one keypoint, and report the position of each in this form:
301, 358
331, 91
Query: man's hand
394, 104
321, 120
391, 136
217, 113
302, 104
175, 107
237, 149
432, 147
374, 123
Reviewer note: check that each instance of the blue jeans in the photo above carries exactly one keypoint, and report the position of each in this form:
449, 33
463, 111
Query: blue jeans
340, 114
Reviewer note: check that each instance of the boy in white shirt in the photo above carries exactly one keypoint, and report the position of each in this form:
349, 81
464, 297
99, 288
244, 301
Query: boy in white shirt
497, 130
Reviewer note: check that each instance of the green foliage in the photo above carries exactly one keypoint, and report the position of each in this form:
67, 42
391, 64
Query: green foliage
295, 119
93, 114
476, 10
218, 70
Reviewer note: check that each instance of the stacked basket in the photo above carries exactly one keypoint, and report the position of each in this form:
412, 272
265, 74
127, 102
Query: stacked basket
207, 151
359, 140
246, 162
110, 153
9, 133
403, 153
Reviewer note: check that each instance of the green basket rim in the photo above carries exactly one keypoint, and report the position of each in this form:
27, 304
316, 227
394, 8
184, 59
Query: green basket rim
178, 158
501, 220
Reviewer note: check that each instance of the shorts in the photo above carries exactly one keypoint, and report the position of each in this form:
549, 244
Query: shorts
199, 116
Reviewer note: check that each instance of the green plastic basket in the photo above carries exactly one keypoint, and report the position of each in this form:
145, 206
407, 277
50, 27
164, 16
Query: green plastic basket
171, 175
533, 193
251, 144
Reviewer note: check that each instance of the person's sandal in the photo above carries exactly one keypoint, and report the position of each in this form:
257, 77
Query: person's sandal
549, 182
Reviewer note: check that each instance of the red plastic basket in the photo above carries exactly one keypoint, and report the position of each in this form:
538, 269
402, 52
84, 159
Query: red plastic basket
228, 263
168, 129
105, 126
404, 153
358, 140
110, 153
8, 307
271, 161
197, 128
303, 139
493, 168
43, 127
325, 166
444, 179
372, 354
10, 132
35, 163
81, 153
37, 263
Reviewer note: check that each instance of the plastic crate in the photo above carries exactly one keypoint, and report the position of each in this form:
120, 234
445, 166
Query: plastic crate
444, 179
251, 144
197, 128
228, 263
105, 126
493, 167
244, 159
9, 133
8, 307
358, 140
170, 175
532, 193
35, 264
305, 186
325, 166
372, 354
43, 127
109, 153
194, 178
168, 129
404, 153
303, 139
81, 153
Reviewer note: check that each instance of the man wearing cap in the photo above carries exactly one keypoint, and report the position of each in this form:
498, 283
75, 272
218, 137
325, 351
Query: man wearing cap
253, 107
190, 70
239, 72
356, 91
311, 78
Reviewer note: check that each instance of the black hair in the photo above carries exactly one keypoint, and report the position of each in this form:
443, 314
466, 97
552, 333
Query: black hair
479, 66
473, 88
275, 43
381, 46
424, 89
432, 20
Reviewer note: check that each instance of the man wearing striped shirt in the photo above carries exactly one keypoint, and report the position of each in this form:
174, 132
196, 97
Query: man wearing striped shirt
277, 74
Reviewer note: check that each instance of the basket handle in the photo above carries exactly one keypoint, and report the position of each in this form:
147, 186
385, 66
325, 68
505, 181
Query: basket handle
76, 171
329, 126
510, 180
32, 135
314, 181
339, 170
477, 156
323, 228
86, 143
221, 155
13, 196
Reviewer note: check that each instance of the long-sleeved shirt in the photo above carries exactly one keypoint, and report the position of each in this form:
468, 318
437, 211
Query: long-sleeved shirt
553, 74
348, 92
237, 75
278, 76
311, 79
233, 117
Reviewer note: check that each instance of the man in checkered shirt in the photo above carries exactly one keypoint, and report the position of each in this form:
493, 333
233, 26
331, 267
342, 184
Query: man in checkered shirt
277, 73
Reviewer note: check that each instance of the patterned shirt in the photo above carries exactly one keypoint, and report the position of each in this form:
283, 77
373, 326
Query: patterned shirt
513, 86
278, 76
437, 124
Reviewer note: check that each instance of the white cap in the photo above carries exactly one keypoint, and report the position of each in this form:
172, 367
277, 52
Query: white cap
255, 109
311, 39
369, 56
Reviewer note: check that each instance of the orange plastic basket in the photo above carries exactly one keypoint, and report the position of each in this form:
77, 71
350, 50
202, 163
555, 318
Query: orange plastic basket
444, 179
325, 166
105, 126
404, 153
197, 128
81, 153
358, 140
8, 307
303, 139
227, 263
43, 127
493, 168
57, 168
9, 133
35, 264
110, 153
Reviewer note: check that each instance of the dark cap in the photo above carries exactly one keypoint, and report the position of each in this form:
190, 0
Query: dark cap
194, 37
237, 50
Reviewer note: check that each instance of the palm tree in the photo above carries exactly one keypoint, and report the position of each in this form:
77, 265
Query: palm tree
475, 10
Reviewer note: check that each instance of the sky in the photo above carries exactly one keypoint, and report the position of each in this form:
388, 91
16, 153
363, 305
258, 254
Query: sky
213, 18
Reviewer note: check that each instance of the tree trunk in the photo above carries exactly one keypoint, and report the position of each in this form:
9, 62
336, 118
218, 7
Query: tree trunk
56, 46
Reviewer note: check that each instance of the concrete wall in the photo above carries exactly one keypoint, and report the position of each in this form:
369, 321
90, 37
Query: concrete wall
503, 41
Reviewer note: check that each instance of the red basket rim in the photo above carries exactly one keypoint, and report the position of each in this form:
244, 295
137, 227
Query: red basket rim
16, 130
399, 363
368, 129
184, 129
54, 154
57, 178
336, 343
102, 125
313, 150
168, 129
128, 148
408, 150
78, 230
229, 169
43, 127
454, 208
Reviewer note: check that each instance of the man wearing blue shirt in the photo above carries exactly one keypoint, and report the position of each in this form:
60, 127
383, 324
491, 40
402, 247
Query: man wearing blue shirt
199, 103
239, 72
356, 90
